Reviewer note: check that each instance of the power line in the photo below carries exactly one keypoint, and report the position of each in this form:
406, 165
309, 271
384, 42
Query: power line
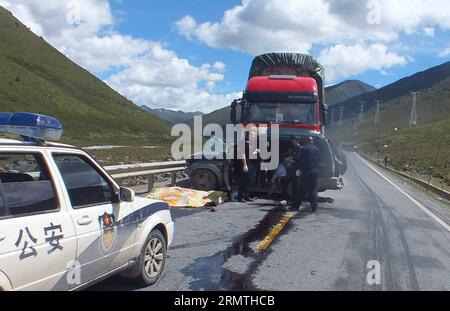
361, 113
356, 124
413, 117
341, 117
377, 113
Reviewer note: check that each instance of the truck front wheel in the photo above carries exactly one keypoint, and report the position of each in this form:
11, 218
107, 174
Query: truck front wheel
204, 180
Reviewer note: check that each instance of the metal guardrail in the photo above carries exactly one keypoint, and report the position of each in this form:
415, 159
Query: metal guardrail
429, 187
121, 172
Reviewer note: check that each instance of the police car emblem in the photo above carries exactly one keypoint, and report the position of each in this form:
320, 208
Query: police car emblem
107, 223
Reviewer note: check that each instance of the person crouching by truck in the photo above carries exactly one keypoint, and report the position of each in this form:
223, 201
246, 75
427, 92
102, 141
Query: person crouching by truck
306, 174
247, 166
279, 175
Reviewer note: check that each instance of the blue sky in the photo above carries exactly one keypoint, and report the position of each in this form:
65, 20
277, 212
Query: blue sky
195, 55
155, 21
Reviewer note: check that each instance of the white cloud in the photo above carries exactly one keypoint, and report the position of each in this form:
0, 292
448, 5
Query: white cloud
387, 73
348, 60
171, 83
219, 66
144, 71
429, 31
258, 26
445, 52
186, 25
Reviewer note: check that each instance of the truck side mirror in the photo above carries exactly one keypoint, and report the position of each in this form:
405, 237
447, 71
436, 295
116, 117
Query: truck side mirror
324, 114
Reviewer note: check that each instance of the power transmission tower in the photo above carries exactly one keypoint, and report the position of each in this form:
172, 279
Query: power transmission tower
377, 113
341, 117
413, 117
361, 113
356, 124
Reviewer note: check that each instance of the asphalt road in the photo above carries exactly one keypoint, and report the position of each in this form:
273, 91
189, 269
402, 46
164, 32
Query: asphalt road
370, 219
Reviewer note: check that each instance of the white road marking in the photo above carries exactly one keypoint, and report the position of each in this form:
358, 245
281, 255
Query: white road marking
421, 206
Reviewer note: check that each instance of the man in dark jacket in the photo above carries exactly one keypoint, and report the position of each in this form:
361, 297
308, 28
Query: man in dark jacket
307, 170
247, 166
296, 153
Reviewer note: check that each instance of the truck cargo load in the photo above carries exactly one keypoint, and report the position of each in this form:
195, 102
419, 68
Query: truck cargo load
286, 64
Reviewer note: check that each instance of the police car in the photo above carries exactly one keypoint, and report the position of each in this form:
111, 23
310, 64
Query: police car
64, 222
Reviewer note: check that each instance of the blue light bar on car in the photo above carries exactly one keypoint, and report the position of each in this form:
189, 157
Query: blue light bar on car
31, 125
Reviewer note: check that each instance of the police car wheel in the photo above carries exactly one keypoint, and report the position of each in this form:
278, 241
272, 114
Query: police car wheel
204, 180
153, 258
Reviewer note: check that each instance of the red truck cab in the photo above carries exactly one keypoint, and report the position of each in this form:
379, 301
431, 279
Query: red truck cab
289, 101
285, 89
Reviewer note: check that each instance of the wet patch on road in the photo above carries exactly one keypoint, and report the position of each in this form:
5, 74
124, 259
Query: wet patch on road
213, 273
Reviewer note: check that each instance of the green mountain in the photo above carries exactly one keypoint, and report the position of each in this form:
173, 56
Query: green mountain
345, 90
417, 82
333, 95
423, 149
220, 116
172, 116
35, 77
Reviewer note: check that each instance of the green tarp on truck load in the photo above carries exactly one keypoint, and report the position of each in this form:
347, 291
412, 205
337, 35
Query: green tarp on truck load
288, 64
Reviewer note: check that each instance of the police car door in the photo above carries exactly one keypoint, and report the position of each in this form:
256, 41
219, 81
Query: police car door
37, 236
105, 235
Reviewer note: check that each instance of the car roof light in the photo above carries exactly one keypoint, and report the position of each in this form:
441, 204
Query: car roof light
31, 125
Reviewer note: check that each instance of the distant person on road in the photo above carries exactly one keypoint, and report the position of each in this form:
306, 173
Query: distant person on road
386, 160
307, 173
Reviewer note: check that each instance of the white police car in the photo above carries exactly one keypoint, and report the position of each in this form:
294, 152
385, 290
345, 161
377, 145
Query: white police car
64, 222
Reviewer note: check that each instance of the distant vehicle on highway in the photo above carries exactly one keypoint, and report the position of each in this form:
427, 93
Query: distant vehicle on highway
65, 223
286, 89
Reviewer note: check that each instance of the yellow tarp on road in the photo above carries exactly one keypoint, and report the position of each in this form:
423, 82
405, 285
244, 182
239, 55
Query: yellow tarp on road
183, 197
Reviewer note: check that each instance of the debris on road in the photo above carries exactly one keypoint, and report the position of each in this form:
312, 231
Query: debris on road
188, 198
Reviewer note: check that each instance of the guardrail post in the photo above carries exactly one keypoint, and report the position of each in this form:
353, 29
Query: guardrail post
173, 179
151, 182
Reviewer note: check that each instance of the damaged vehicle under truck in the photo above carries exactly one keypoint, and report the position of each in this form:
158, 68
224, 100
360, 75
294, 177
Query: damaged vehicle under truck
286, 89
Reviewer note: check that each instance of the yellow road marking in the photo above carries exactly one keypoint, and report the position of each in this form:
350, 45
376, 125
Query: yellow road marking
268, 239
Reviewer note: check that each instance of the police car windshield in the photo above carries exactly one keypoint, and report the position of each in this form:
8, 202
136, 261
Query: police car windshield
298, 113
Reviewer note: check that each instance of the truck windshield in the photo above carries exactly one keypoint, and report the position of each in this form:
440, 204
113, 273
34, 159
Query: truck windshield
298, 113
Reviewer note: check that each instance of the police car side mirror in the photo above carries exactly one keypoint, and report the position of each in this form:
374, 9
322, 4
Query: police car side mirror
126, 195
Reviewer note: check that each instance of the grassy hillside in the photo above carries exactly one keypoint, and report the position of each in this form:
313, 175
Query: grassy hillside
220, 116
172, 116
35, 77
345, 90
413, 149
417, 82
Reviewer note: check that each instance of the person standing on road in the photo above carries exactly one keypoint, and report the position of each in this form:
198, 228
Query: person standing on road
307, 167
246, 167
296, 153
386, 160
